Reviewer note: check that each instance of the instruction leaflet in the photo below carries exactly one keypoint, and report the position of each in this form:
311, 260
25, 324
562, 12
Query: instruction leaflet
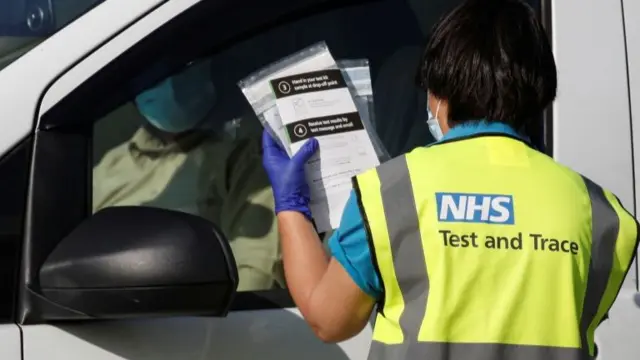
319, 104
258, 91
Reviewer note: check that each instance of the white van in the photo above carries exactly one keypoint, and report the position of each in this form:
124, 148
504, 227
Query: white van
74, 286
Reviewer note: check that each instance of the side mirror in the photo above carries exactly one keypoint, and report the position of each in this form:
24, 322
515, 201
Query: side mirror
126, 262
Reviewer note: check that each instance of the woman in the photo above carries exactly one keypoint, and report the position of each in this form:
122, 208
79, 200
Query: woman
478, 246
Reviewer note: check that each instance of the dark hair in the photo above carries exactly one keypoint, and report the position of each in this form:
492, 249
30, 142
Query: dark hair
490, 59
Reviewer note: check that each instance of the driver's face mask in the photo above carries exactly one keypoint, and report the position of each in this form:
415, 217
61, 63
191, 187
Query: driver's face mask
180, 102
432, 122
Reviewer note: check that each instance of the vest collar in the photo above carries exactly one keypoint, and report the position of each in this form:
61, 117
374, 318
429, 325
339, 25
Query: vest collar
481, 127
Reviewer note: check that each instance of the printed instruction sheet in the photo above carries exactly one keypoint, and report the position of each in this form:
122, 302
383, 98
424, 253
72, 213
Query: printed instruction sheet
259, 92
318, 104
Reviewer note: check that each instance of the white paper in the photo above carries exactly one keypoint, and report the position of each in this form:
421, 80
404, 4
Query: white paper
260, 90
319, 104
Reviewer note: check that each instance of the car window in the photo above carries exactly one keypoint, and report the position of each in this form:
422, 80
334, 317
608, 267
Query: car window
26, 23
191, 142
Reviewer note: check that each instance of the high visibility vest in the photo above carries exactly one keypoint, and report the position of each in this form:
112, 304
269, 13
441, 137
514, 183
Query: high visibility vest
488, 249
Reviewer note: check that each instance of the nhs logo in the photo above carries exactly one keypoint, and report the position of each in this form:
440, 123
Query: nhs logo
477, 208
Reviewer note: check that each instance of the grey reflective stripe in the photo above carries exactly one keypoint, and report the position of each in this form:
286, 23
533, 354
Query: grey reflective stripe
406, 244
460, 351
605, 225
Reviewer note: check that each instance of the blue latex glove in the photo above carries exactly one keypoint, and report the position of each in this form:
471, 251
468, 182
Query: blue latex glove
290, 188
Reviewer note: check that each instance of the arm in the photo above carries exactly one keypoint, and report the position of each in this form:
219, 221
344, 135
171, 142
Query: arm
330, 301
333, 305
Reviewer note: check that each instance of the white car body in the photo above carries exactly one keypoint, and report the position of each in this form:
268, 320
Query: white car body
598, 59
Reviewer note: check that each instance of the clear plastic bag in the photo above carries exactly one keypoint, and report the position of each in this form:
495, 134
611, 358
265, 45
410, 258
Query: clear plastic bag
358, 78
257, 89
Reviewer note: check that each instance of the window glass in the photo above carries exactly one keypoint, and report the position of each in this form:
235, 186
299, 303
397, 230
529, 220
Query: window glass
25, 23
192, 143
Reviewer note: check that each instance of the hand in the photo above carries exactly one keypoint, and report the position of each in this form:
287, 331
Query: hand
290, 188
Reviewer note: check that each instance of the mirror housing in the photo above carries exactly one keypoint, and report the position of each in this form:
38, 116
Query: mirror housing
133, 262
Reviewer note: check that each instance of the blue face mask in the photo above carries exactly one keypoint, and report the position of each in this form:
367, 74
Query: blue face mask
181, 102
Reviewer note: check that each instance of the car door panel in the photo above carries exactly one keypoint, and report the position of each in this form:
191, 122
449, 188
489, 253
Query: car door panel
10, 342
264, 334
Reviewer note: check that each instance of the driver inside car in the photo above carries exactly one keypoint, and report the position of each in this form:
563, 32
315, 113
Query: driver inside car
182, 159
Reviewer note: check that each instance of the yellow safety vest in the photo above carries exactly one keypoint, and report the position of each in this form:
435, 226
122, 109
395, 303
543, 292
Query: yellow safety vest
488, 249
